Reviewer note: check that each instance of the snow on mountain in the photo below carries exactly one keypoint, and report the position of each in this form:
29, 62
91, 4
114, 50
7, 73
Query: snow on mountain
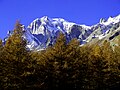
43, 32
111, 20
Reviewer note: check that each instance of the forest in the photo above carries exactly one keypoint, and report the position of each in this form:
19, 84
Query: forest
58, 67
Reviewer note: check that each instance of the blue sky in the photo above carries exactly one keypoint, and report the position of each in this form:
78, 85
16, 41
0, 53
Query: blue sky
79, 11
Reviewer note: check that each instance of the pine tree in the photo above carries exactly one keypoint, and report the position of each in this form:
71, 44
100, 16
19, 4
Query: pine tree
16, 58
55, 62
62, 63
98, 69
114, 77
1, 63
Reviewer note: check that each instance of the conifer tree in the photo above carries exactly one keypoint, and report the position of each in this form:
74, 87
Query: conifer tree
1, 62
16, 58
62, 62
114, 77
98, 69
55, 63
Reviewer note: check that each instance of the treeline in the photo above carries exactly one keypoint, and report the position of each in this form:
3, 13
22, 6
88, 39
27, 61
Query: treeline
61, 66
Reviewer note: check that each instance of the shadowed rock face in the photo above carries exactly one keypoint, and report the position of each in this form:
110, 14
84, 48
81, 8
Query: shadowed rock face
43, 32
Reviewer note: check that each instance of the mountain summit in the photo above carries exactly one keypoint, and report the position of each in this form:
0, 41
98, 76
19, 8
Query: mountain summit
42, 32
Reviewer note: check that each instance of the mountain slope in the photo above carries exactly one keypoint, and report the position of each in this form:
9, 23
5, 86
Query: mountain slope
42, 32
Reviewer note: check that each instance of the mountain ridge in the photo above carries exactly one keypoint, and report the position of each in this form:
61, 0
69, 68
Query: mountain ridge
43, 32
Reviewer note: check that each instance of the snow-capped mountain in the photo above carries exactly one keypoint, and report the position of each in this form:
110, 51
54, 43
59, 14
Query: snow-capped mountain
43, 32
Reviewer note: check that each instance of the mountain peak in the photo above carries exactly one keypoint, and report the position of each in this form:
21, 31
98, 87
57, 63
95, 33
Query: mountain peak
43, 32
102, 20
45, 19
111, 20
